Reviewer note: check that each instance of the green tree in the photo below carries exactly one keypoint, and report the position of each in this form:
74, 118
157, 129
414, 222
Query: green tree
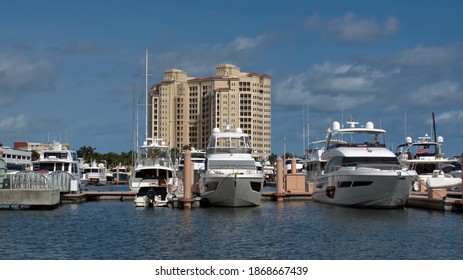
272, 159
35, 156
87, 153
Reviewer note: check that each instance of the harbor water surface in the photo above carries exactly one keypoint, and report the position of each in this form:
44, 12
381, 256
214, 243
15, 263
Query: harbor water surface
299, 230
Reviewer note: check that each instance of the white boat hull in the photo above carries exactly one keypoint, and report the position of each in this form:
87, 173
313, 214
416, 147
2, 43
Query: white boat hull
443, 183
152, 196
232, 190
369, 188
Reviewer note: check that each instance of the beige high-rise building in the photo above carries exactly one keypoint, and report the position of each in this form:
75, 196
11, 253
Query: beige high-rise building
184, 110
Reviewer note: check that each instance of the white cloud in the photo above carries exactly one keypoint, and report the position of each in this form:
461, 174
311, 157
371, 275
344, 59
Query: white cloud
450, 117
333, 85
200, 60
20, 75
352, 28
437, 93
13, 123
239, 44
422, 56
391, 26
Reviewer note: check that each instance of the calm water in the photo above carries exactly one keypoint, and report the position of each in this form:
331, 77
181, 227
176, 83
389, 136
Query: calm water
114, 230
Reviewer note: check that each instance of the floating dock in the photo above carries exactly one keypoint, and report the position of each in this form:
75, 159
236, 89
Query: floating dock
32, 198
97, 195
437, 200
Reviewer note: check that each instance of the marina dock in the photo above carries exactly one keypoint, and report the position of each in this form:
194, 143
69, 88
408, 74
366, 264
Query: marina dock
36, 192
49, 199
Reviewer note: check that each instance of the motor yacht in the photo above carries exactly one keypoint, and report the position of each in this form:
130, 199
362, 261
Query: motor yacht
360, 171
154, 168
425, 156
230, 177
94, 174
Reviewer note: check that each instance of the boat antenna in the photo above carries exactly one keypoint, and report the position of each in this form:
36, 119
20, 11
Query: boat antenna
405, 125
303, 129
434, 127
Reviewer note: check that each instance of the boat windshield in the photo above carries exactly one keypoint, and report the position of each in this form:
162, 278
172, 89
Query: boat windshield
422, 149
240, 144
227, 164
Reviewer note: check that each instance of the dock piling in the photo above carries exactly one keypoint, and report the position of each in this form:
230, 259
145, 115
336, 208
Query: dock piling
279, 188
187, 180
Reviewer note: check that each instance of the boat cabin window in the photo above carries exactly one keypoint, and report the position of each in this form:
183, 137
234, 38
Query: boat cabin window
153, 174
226, 164
230, 145
333, 164
378, 162
74, 156
358, 139
59, 155
46, 166
59, 166
353, 161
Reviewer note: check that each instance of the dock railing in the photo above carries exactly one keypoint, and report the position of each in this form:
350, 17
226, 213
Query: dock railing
33, 180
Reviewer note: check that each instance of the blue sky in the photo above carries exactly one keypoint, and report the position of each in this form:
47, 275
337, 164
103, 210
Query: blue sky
72, 69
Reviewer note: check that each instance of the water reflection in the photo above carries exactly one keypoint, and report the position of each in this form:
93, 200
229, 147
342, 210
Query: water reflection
287, 230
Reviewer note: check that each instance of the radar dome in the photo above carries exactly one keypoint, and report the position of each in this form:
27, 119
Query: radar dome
440, 139
369, 125
408, 140
216, 130
336, 126
238, 130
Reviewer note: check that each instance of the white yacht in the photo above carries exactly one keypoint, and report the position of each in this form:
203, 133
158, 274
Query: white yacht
425, 156
94, 174
154, 168
315, 163
58, 158
119, 174
230, 177
361, 172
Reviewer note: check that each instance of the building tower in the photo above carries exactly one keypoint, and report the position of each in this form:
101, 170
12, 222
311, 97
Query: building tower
184, 110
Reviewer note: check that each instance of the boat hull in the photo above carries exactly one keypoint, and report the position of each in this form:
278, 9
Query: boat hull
231, 190
365, 188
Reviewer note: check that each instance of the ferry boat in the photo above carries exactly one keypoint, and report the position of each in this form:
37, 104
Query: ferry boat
230, 177
361, 172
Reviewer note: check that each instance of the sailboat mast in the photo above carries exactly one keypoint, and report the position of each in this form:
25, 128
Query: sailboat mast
146, 91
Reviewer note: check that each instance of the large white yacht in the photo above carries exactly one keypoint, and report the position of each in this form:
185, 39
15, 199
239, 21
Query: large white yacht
154, 168
58, 158
361, 172
425, 156
230, 177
